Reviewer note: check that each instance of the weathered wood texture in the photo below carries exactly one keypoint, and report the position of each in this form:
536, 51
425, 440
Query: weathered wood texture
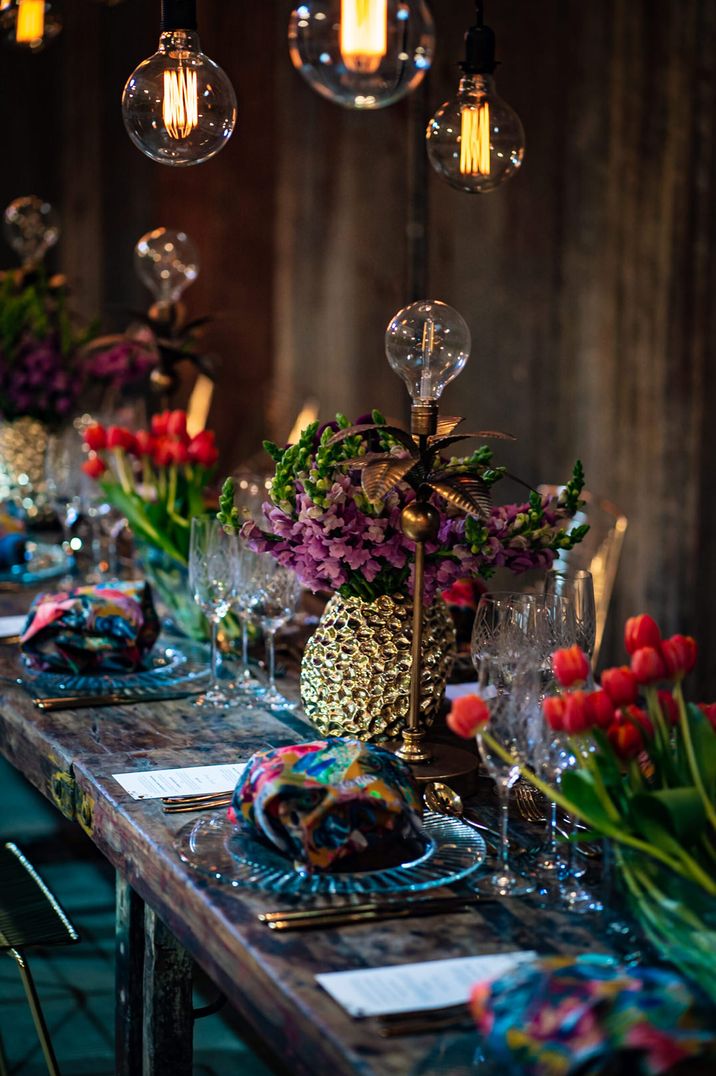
129, 979
167, 1002
586, 279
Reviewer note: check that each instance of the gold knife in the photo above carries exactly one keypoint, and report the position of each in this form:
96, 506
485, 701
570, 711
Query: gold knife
375, 915
81, 702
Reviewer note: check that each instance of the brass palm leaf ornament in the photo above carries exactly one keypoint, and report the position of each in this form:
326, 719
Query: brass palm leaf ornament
423, 468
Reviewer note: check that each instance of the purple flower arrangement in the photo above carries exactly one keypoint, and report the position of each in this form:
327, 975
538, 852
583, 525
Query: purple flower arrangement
40, 370
320, 522
123, 365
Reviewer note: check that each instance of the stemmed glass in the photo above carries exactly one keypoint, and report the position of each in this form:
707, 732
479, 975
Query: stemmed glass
508, 672
213, 581
273, 603
510, 698
64, 479
578, 588
247, 569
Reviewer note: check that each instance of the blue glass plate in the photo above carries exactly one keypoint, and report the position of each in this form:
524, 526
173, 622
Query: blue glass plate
214, 847
43, 561
169, 668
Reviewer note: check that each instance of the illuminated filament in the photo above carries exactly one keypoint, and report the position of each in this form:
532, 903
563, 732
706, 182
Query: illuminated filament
181, 102
30, 21
364, 34
428, 343
475, 140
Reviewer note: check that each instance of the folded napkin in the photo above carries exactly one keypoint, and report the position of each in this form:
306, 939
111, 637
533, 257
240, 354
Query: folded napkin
13, 539
323, 803
560, 1015
110, 627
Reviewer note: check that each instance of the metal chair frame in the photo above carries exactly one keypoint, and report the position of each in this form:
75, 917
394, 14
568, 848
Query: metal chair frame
29, 916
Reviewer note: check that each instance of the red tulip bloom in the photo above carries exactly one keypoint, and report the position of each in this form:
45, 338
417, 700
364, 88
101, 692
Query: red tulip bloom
94, 467
467, 716
576, 713
176, 424
118, 437
669, 708
570, 666
145, 443
640, 717
553, 709
647, 665
95, 437
641, 631
625, 739
203, 450
160, 423
162, 452
600, 709
620, 685
679, 654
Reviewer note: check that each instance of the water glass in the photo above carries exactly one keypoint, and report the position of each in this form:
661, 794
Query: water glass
578, 587
212, 579
274, 600
64, 457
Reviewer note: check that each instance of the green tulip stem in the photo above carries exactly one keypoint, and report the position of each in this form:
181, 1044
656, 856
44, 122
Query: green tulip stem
691, 755
686, 867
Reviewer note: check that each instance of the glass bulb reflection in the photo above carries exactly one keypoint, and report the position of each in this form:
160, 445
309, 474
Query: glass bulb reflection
476, 141
166, 262
427, 344
178, 106
31, 227
362, 54
29, 24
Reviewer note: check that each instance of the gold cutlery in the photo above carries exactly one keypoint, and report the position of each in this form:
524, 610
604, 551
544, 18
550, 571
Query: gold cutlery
370, 911
179, 805
81, 702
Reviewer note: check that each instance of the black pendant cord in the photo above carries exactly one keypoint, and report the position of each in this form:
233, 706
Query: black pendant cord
178, 15
479, 46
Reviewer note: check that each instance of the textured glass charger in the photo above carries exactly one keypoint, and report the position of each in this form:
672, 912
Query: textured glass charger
44, 561
167, 669
214, 847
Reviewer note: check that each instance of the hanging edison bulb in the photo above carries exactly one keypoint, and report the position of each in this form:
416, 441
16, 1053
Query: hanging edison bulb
31, 227
476, 141
29, 24
178, 106
362, 54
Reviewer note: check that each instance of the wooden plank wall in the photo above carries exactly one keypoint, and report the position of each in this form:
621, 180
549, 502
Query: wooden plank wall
587, 280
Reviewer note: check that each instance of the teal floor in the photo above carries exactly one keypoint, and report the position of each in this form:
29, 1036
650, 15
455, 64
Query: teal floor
76, 983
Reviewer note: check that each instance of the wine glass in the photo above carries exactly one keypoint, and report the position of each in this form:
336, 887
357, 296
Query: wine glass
511, 691
275, 596
64, 480
247, 568
578, 587
212, 578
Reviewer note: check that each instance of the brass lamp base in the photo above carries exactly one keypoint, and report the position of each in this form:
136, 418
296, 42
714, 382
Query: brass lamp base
452, 765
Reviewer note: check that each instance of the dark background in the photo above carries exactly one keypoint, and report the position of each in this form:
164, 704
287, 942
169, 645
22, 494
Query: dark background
589, 280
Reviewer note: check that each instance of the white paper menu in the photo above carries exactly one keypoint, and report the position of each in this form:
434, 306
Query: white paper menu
187, 781
432, 984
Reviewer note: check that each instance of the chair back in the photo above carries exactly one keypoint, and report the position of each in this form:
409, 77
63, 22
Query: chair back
599, 552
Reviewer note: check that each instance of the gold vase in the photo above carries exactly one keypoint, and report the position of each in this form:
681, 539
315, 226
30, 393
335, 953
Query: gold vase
23, 445
355, 673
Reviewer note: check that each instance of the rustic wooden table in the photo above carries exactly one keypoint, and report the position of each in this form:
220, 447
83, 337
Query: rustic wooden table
168, 916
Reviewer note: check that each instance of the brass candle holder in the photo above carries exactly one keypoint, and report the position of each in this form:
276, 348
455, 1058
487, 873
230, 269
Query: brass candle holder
428, 344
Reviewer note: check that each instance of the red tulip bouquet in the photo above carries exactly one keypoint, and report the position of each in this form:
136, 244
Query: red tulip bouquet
156, 478
645, 778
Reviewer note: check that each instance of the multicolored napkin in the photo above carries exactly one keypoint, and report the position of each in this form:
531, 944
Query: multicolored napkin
560, 1015
110, 627
13, 539
325, 801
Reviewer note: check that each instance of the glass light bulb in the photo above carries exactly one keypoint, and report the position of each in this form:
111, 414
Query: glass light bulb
476, 141
362, 54
166, 262
29, 24
427, 344
178, 106
31, 227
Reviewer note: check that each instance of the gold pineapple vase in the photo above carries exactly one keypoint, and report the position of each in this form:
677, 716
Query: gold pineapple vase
23, 444
355, 673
